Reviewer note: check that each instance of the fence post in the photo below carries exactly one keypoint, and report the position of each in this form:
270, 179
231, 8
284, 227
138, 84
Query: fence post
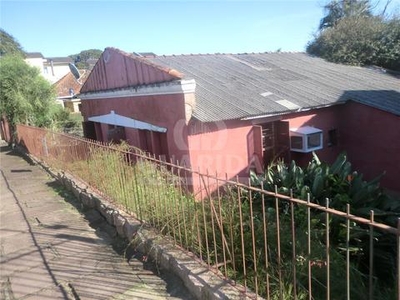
328, 249
371, 256
347, 252
398, 258
45, 149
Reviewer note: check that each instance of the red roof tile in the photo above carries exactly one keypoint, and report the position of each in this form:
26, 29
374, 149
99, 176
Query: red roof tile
69, 83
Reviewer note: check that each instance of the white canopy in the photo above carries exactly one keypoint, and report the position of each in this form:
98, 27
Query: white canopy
114, 119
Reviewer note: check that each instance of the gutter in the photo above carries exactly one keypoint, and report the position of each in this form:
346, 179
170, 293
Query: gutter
301, 109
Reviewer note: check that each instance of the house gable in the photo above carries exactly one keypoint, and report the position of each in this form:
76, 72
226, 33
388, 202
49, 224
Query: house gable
68, 86
117, 70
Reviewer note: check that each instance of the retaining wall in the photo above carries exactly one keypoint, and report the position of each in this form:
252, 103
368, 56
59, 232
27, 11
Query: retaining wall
200, 281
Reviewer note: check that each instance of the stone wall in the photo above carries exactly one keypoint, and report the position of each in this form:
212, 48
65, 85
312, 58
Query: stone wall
200, 281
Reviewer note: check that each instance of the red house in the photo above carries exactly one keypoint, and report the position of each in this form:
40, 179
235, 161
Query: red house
227, 113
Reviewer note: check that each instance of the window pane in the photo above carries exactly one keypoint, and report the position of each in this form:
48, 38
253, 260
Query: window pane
314, 140
332, 137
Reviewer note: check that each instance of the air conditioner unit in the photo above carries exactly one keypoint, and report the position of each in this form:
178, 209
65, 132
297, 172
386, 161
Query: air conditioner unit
305, 139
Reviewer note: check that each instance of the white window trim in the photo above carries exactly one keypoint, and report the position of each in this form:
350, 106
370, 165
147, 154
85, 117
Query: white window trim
304, 132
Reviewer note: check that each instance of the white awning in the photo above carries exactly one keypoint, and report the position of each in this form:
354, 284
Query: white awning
114, 119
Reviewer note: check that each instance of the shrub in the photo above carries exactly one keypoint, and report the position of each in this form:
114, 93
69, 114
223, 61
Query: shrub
339, 185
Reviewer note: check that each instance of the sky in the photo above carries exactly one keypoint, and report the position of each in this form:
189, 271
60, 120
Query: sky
61, 28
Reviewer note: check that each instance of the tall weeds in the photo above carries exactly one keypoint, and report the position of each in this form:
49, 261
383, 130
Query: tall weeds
233, 230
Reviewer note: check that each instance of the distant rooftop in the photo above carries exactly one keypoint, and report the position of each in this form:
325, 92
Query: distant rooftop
69, 84
60, 59
53, 59
145, 54
34, 55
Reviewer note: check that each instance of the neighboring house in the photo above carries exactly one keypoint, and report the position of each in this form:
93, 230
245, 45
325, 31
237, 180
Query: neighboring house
52, 68
68, 87
35, 59
91, 62
229, 113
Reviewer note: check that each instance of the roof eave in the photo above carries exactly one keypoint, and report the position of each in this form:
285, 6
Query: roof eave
165, 88
301, 109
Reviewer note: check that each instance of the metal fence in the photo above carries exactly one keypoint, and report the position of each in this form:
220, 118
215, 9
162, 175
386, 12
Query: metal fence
275, 245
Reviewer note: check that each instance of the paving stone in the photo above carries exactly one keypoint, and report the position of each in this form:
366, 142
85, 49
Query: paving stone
56, 293
31, 281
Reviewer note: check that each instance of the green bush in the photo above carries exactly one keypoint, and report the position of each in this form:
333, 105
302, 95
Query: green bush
339, 185
220, 227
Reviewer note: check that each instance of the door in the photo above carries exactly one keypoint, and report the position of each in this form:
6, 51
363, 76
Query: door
116, 134
282, 140
153, 142
268, 140
276, 142
89, 130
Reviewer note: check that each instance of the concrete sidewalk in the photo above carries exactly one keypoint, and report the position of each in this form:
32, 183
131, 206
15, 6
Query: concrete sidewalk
51, 250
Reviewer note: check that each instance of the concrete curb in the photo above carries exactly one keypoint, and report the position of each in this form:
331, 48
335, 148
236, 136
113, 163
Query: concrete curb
202, 283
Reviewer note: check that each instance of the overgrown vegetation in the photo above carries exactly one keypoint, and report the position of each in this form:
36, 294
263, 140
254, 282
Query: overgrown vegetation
81, 59
350, 33
340, 185
220, 227
67, 122
150, 191
26, 97
9, 45
336, 182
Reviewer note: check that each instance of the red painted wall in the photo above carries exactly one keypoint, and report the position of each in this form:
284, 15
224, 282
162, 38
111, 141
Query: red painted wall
370, 137
224, 149
372, 141
357, 126
161, 110
324, 119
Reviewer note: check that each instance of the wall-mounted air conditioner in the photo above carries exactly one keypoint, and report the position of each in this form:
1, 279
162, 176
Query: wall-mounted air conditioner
305, 139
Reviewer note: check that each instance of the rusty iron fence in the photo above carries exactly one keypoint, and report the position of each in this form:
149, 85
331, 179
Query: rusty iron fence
274, 245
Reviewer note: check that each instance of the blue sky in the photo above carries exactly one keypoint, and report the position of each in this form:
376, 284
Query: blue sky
61, 28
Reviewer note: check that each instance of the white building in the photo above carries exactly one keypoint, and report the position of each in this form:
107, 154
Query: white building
52, 68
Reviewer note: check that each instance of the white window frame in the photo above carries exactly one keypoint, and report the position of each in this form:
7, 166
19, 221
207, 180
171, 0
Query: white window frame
304, 133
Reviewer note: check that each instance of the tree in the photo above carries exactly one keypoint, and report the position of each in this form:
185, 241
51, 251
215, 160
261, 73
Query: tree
9, 45
358, 38
337, 10
81, 59
25, 96
389, 51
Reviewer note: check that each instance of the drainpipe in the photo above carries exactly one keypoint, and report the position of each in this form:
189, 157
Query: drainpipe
52, 67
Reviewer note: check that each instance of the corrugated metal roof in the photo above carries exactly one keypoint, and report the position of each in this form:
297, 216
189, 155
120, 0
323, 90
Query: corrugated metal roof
234, 86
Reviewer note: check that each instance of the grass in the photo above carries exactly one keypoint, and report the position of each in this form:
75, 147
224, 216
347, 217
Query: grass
220, 229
